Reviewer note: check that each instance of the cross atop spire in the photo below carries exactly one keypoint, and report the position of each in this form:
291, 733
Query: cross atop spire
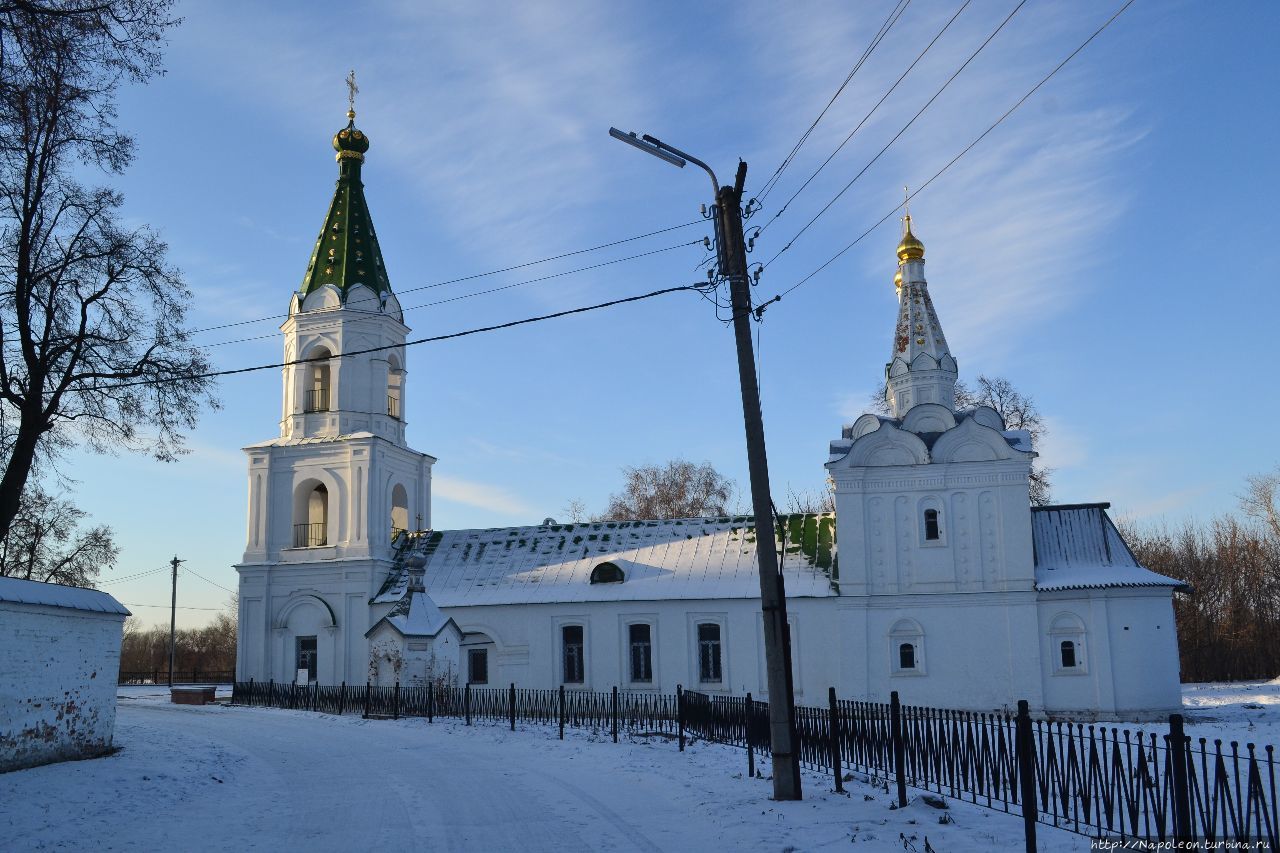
352, 91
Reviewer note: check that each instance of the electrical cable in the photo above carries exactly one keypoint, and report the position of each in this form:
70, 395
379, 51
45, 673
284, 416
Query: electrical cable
167, 606
865, 118
432, 339
894, 14
897, 135
962, 153
206, 580
135, 576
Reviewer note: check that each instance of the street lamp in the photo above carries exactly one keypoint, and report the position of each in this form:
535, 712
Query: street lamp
732, 257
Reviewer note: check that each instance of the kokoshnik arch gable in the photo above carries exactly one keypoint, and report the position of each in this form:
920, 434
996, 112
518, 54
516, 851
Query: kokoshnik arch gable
948, 586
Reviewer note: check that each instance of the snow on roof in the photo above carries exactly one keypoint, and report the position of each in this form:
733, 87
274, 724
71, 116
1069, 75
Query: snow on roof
688, 558
1078, 547
18, 591
415, 615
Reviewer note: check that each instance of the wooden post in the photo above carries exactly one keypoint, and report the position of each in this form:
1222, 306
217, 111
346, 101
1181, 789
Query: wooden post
561, 712
512, 697
680, 714
899, 747
751, 752
466, 702
1181, 791
834, 727
366, 700
614, 713
395, 701
1025, 750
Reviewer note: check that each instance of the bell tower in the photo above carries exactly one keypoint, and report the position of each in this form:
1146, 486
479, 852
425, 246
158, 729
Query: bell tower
330, 494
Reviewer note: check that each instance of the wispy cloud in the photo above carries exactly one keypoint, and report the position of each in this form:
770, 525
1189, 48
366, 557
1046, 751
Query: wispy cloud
482, 495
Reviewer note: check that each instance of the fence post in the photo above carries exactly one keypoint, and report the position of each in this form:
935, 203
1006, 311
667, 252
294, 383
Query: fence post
751, 752
1027, 773
466, 702
431, 701
250, 702
614, 713
1181, 792
293, 689
342, 698
834, 726
561, 712
271, 694
899, 747
366, 700
395, 701
155, 676
680, 714
512, 697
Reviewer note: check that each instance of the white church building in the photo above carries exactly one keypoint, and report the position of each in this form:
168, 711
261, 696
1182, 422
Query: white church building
935, 577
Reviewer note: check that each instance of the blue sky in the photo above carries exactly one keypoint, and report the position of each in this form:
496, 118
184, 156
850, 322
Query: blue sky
1102, 249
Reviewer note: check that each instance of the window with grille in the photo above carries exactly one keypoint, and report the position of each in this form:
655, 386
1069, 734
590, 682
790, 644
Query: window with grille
709, 663
478, 666
571, 642
1068, 652
640, 636
906, 656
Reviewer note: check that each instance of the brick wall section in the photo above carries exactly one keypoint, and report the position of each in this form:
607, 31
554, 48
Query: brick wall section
58, 671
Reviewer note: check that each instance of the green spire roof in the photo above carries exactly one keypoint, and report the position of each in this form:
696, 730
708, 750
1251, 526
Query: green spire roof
347, 252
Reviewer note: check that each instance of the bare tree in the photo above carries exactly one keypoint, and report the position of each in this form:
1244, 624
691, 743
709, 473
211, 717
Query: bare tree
45, 543
1260, 501
679, 489
823, 500
1018, 410
93, 346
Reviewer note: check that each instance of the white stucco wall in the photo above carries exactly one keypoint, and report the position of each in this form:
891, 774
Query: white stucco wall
58, 672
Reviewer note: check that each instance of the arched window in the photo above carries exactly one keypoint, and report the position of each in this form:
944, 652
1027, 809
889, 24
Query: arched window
931, 529
607, 573
399, 511
317, 389
1067, 644
906, 648
311, 516
395, 386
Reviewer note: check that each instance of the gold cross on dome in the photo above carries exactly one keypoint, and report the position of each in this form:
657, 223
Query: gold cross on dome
352, 91
906, 209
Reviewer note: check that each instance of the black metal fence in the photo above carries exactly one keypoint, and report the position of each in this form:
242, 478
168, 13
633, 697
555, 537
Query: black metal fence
161, 676
1090, 779
616, 711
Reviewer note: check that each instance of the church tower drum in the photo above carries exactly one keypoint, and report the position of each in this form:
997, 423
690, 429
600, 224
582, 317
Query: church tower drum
329, 495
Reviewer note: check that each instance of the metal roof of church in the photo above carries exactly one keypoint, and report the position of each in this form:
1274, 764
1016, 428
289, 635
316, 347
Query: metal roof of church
1077, 546
688, 558
19, 591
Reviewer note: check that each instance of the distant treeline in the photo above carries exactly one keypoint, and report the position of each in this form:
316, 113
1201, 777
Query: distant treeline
208, 649
1229, 625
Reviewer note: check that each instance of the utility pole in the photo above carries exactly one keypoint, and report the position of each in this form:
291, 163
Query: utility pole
173, 614
732, 256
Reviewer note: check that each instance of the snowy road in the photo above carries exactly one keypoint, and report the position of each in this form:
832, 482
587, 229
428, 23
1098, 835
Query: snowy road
219, 778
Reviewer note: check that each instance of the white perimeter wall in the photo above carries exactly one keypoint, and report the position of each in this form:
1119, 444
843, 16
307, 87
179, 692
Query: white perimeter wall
58, 672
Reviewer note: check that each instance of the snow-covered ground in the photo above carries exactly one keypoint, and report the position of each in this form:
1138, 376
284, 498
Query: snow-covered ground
222, 778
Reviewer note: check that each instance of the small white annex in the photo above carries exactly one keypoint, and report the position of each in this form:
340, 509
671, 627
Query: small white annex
59, 663
934, 577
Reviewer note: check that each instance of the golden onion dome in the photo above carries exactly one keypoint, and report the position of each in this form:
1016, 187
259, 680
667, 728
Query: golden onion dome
897, 280
350, 142
910, 249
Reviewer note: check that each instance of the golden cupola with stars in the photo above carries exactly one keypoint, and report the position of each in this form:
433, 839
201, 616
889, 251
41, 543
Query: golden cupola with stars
921, 368
347, 252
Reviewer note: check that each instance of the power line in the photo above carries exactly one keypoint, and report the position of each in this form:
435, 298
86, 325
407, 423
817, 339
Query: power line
897, 135
167, 607
433, 339
471, 277
963, 152
867, 117
137, 576
206, 580
487, 291
894, 14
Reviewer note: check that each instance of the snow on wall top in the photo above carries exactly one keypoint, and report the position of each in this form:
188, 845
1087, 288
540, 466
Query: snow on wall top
18, 591
689, 558
1078, 547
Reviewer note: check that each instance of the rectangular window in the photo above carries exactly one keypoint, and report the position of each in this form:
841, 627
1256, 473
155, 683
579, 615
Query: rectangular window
571, 640
306, 656
641, 641
709, 668
478, 666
